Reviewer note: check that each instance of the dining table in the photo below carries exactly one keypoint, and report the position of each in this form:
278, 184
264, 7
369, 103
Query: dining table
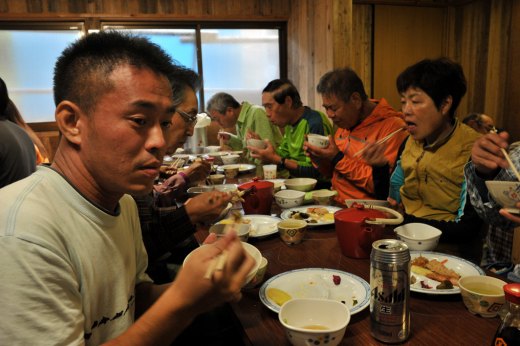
435, 319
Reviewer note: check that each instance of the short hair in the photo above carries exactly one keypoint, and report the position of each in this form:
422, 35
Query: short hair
221, 101
439, 78
342, 83
80, 73
4, 96
472, 116
281, 88
184, 78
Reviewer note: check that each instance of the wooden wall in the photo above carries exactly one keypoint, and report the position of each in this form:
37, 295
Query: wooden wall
403, 35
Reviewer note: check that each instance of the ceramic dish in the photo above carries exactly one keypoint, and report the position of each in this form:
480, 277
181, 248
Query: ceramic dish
261, 225
327, 220
244, 168
319, 283
459, 265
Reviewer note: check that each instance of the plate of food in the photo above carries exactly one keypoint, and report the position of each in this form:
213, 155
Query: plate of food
438, 273
242, 167
261, 225
322, 283
315, 215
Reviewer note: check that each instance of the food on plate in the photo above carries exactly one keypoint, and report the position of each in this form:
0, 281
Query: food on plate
233, 220
336, 279
435, 270
278, 296
313, 215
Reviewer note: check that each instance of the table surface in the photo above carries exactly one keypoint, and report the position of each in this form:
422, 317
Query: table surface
435, 319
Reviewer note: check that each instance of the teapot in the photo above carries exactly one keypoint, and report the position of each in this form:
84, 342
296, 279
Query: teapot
259, 198
360, 225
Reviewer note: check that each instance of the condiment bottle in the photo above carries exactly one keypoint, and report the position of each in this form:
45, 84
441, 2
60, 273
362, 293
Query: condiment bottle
509, 331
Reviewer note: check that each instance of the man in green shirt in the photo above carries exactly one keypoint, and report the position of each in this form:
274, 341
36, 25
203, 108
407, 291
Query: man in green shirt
247, 118
284, 108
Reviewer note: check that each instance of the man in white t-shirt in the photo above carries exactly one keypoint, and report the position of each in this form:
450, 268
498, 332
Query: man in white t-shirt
73, 262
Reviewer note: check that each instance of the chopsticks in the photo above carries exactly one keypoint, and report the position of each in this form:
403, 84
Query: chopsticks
381, 141
508, 159
217, 263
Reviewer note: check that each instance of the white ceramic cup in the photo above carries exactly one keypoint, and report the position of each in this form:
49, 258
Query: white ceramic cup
269, 171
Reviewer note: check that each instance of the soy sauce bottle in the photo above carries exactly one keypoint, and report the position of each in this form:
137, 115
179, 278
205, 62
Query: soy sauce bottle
509, 331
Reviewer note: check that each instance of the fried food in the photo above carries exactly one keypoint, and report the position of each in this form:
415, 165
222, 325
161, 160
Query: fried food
435, 270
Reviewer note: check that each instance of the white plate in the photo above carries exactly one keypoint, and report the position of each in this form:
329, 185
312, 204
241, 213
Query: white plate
318, 283
286, 214
262, 225
244, 168
459, 265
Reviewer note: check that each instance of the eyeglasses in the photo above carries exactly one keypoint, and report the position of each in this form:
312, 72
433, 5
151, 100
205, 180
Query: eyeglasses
190, 119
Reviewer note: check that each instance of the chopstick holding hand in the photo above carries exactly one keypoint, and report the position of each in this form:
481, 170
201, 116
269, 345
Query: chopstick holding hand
197, 294
487, 156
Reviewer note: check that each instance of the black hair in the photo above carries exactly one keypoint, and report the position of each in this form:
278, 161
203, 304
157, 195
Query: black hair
281, 88
184, 78
341, 83
81, 72
4, 96
439, 78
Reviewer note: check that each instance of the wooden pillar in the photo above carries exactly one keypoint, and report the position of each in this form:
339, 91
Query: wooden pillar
320, 39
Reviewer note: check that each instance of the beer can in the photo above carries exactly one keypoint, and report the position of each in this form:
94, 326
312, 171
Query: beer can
390, 291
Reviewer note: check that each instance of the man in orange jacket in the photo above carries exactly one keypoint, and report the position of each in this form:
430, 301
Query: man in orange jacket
361, 122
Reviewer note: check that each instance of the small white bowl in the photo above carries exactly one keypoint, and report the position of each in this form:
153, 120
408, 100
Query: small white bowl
318, 140
323, 197
230, 159
300, 184
196, 190
257, 143
299, 316
289, 198
226, 187
419, 236
251, 251
482, 295
505, 193
241, 229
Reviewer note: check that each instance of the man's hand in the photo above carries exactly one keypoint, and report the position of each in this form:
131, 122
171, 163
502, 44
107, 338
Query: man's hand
486, 153
513, 217
197, 293
374, 154
207, 206
252, 135
327, 153
267, 155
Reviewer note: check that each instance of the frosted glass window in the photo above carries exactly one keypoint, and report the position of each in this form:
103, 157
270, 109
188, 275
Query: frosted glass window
28, 58
180, 44
239, 61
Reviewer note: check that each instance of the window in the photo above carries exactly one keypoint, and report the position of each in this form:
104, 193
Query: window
240, 60
28, 57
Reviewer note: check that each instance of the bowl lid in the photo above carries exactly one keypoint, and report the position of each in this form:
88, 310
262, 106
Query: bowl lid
259, 184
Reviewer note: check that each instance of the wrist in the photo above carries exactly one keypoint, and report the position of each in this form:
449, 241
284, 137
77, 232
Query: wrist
281, 162
185, 177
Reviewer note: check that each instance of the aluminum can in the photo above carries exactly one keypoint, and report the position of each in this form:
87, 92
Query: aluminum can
390, 291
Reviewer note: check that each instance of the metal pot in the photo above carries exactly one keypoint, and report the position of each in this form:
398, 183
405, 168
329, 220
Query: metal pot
360, 225
259, 199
